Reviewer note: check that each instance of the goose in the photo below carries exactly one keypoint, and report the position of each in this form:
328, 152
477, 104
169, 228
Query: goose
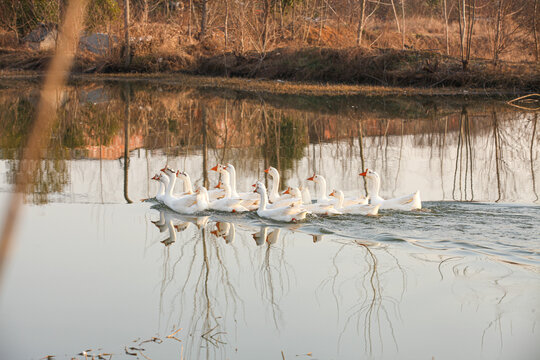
274, 192
249, 202
286, 214
178, 204
321, 181
317, 208
227, 203
244, 195
361, 209
306, 196
407, 202
163, 183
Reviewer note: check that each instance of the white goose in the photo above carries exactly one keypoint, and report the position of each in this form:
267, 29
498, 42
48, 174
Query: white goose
179, 204
243, 195
162, 186
359, 209
321, 181
274, 192
306, 196
406, 203
225, 183
317, 208
227, 203
286, 214
187, 204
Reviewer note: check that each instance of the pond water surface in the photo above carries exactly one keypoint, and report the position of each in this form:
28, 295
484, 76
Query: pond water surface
95, 269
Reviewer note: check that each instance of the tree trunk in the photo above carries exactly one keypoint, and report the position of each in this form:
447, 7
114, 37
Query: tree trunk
396, 16
496, 40
266, 18
360, 31
535, 33
402, 24
204, 14
445, 13
126, 33
226, 23
145, 11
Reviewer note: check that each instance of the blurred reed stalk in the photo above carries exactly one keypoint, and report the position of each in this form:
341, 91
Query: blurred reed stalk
39, 136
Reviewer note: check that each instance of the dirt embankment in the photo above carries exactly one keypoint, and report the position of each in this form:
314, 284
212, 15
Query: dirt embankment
381, 67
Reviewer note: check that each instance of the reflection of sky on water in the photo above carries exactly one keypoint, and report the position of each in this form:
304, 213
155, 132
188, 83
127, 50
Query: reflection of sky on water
459, 280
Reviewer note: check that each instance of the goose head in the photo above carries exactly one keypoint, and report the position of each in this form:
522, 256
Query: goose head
316, 178
294, 192
182, 175
259, 188
230, 167
336, 193
167, 170
272, 171
370, 174
219, 168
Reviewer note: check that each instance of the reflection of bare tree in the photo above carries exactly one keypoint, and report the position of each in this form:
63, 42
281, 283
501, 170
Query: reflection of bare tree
498, 152
370, 309
127, 114
532, 157
465, 175
211, 288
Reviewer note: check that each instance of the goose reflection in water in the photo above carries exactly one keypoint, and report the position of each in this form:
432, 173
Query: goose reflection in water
226, 230
264, 236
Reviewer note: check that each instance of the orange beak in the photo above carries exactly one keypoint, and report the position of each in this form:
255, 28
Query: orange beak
165, 168
311, 178
288, 191
333, 193
364, 173
267, 170
214, 168
177, 173
218, 186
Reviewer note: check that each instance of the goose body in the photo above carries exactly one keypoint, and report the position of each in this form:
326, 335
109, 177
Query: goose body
226, 204
249, 198
323, 199
285, 214
317, 208
405, 203
358, 209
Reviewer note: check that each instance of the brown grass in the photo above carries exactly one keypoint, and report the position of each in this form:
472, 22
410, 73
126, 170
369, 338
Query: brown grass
322, 55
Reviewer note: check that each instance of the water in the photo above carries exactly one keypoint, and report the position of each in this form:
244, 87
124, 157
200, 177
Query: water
88, 270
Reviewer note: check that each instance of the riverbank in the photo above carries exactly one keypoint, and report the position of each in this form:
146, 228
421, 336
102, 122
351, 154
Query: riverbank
310, 71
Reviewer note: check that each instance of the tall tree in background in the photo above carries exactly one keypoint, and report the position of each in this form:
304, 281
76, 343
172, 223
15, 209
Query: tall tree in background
127, 60
366, 11
204, 18
535, 31
467, 18
445, 17
266, 20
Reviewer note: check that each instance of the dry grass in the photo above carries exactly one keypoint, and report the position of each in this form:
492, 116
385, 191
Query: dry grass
324, 54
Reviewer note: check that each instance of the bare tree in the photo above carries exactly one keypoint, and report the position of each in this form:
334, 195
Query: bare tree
535, 32
204, 18
126, 33
467, 17
445, 17
365, 14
